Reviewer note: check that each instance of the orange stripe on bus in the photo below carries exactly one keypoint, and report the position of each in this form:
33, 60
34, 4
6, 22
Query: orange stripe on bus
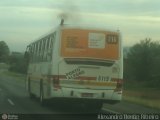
78, 78
96, 83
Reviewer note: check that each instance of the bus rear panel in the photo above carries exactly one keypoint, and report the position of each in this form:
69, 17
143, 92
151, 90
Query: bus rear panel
89, 66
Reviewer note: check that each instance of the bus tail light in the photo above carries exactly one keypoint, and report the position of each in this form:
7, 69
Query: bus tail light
119, 85
56, 81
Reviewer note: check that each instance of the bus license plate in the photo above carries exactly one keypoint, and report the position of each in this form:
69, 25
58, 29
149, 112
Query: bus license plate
87, 94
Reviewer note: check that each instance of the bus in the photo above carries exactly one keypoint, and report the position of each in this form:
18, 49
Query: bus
82, 64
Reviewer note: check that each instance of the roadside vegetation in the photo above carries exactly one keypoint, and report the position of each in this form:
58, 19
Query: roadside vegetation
12, 63
14, 60
141, 94
15, 75
4, 66
17, 63
142, 73
4, 52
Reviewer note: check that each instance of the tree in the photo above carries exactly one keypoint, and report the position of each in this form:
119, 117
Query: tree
4, 52
143, 61
18, 63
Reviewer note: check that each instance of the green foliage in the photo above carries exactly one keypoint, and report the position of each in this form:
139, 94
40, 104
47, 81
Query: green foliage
18, 63
4, 52
142, 62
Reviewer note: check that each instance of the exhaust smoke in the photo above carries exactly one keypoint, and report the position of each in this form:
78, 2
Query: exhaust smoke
69, 13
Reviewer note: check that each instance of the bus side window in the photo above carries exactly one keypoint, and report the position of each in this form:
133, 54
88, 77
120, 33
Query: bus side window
51, 48
36, 52
27, 54
48, 49
53, 36
33, 50
40, 50
43, 50
30, 53
40, 45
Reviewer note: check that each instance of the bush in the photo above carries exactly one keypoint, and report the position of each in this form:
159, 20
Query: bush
142, 63
18, 63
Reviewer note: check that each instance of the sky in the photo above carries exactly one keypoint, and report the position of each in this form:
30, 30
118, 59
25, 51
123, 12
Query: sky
23, 21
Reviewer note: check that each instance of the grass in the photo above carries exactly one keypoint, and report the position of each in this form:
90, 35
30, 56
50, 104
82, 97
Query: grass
152, 103
143, 93
4, 66
14, 75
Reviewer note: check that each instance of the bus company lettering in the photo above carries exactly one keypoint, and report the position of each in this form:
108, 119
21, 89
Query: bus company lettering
74, 73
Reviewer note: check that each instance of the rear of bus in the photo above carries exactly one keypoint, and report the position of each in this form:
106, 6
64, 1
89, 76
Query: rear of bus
90, 65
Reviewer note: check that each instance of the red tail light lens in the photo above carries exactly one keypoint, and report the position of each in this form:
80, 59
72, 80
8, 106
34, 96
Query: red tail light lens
119, 85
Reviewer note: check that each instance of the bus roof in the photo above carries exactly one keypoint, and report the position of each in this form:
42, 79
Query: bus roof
74, 26
89, 27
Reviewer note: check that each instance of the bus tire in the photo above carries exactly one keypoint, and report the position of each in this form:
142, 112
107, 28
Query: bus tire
31, 96
41, 99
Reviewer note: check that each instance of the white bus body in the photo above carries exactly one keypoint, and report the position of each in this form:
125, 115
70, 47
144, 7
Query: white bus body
76, 63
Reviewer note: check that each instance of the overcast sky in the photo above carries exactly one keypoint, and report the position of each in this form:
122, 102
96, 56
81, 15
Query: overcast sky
22, 21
